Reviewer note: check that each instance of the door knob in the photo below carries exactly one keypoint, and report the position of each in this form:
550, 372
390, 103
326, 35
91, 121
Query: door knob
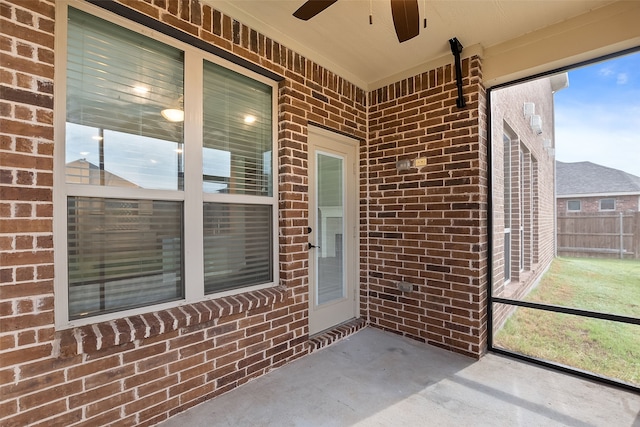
311, 246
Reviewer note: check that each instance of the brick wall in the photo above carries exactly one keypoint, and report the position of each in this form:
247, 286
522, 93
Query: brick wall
427, 226
26, 245
141, 369
592, 204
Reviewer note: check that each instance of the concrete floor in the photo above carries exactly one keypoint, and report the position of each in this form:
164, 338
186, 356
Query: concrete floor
373, 378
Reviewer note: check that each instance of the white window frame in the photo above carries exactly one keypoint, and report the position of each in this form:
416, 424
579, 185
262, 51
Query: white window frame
192, 196
574, 210
607, 210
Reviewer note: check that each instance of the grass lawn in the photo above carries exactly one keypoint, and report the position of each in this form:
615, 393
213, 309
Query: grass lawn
607, 348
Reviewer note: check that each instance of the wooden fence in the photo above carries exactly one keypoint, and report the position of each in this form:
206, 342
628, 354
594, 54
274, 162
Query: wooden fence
612, 235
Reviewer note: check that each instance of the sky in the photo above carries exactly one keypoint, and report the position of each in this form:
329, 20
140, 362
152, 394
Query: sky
597, 118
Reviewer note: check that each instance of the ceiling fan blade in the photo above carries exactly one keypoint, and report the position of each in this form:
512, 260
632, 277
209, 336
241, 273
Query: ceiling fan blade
406, 18
311, 8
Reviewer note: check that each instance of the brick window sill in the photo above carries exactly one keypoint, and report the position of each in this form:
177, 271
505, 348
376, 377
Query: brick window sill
120, 334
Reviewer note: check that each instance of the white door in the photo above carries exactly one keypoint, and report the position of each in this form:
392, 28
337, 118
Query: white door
333, 234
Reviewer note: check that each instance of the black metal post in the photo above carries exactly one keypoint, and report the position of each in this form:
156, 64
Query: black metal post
456, 49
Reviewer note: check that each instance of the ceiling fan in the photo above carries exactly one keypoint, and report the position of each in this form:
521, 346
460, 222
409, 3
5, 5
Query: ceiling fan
406, 18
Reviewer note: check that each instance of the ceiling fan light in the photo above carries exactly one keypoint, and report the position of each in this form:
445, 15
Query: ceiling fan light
173, 114
142, 90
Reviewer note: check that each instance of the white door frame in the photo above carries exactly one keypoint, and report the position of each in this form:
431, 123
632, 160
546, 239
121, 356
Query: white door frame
335, 312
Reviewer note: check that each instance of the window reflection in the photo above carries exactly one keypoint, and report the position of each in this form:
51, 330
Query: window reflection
111, 158
216, 170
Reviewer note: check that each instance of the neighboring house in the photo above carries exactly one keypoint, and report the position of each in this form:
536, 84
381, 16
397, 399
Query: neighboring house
585, 187
125, 304
598, 211
82, 171
523, 186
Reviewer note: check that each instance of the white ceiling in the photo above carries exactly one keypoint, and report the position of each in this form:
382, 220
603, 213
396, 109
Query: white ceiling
341, 39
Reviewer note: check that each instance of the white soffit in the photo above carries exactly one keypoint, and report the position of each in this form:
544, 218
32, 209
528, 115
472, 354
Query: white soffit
341, 39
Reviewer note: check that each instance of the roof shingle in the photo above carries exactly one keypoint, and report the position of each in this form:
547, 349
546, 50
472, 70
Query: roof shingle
590, 178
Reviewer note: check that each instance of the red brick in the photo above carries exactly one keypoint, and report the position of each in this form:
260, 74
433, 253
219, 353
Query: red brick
43, 367
145, 377
88, 368
8, 407
94, 395
23, 355
66, 419
106, 418
154, 361
35, 415
187, 340
144, 352
109, 376
42, 397
26, 338
106, 404
161, 383
30, 385
186, 385
160, 408
194, 370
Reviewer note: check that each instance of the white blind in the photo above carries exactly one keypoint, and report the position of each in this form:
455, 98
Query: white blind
122, 253
237, 133
237, 245
118, 82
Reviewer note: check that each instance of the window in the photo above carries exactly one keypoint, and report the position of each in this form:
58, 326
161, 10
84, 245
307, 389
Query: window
507, 207
164, 200
519, 175
521, 195
574, 206
237, 147
607, 204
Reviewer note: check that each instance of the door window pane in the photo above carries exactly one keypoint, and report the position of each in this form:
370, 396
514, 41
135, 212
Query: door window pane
122, 254
330, 226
